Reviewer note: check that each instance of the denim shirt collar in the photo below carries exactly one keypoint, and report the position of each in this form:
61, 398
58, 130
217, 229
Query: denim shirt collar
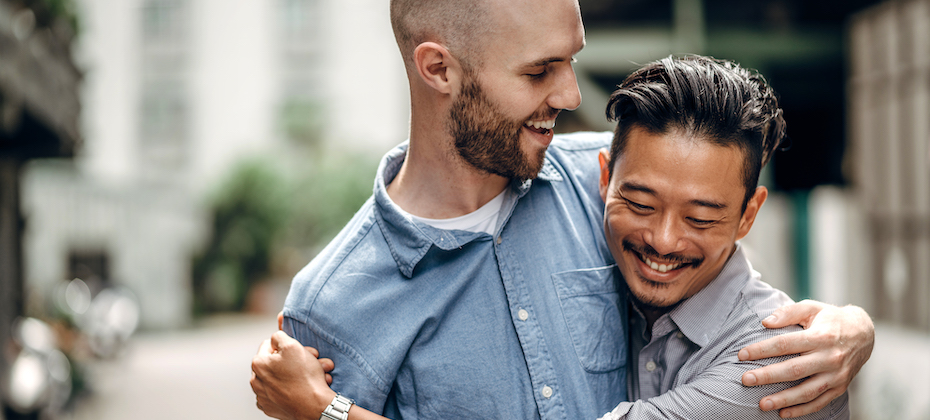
410, 240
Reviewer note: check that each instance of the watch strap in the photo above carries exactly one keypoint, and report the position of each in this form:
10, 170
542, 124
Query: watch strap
338, 409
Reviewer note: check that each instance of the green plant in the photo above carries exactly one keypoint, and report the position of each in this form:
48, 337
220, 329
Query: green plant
258, 212
248, 213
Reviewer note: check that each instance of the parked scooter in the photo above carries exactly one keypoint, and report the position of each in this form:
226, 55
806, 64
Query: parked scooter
39, 383
39, 380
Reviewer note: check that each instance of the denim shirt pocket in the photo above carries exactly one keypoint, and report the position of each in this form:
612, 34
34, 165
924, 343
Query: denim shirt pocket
591, 306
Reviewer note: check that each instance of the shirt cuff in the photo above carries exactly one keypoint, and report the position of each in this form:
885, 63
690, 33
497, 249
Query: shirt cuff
619, 412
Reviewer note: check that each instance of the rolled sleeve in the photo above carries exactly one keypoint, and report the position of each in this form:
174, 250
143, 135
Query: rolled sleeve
352, 376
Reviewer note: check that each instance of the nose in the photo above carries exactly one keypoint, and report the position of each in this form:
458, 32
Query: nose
665, 236
566, 94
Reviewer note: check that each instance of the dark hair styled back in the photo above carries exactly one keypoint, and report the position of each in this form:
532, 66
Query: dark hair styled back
704, 98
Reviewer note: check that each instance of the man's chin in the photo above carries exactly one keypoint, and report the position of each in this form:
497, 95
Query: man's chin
654, 304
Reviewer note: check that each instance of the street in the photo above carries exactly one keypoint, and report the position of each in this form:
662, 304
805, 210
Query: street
197, 373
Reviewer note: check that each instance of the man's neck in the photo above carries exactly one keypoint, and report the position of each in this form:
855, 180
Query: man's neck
652, 314
435, 183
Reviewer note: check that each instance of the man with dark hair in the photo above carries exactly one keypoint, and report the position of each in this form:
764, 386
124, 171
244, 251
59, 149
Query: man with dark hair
483, 246
680, 187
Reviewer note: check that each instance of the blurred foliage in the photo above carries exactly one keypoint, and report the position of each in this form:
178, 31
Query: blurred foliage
48, 11
248, 213
302, 121
326, 197
259, 212
66, 10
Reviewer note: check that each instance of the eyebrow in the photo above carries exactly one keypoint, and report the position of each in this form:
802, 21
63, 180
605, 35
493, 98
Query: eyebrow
632, 186
544, 61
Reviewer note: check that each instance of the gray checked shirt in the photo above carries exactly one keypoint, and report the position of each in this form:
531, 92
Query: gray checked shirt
688, 368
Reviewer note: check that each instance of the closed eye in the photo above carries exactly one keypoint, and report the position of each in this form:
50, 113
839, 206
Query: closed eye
701, 223
538, 75
636, 206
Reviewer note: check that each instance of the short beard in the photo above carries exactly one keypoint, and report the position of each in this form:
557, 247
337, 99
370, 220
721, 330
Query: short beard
648, 251
486, 139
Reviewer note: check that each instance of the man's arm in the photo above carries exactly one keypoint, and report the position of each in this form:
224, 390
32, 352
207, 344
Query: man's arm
834, 345
836, 342
715, 393
290, 384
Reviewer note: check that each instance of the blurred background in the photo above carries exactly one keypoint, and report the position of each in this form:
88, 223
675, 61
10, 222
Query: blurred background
166, 166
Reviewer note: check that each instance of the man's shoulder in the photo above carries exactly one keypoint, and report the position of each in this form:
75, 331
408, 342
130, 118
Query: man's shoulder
575, 155
581, 141
761, 299
354, 249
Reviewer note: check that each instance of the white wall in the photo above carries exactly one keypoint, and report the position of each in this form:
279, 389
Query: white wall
233, 86
370, 107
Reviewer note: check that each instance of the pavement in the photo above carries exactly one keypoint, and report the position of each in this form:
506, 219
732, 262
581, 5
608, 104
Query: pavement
197, 373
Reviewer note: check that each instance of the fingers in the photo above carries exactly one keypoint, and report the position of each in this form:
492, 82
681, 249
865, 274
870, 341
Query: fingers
789, 370
818, 404
810, 396
803, 393
328, 366
281, 341
782, 345
797, 313
265, 348
313, 352
258, 388
281, 320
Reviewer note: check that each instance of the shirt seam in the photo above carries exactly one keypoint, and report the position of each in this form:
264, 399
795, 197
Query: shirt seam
340, 257
369, 371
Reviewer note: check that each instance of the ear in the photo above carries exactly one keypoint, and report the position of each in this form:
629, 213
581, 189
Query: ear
752, 209
436, 67
604, 158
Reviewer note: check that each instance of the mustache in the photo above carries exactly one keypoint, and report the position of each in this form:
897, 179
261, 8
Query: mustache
546, 114
648, 251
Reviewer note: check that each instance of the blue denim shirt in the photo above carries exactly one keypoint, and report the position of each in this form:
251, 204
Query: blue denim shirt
440, 324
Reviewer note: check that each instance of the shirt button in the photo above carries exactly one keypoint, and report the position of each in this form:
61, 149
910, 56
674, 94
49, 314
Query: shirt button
499, 240
650, 366
679, 335
523, 314
547, 392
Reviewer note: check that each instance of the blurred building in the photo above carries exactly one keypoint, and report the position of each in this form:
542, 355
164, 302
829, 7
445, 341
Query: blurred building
39, 111
889, 124
890, 134
176, 93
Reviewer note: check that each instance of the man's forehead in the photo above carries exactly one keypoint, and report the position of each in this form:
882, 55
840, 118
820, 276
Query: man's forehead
676, 167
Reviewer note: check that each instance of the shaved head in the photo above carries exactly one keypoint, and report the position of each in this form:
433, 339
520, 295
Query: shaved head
459, 25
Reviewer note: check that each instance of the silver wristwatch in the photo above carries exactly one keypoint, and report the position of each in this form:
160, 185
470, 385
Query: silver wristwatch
338, 409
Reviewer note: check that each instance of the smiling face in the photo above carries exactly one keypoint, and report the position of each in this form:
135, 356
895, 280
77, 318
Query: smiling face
503, 116
489, 140
672, 213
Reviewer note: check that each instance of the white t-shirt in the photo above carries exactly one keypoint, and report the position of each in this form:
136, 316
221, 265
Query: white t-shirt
482, 220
